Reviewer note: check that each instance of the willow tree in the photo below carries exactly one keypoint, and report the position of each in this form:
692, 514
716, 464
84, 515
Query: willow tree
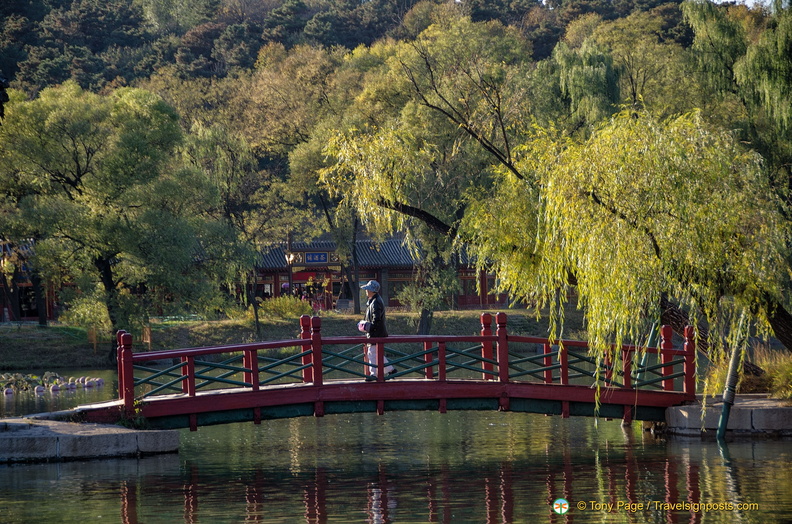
642, 209
115, 215
429, 119
743, 57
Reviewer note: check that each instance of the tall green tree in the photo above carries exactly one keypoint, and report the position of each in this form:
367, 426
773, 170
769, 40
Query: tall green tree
743, 57
429, 119
115, 215
641, 209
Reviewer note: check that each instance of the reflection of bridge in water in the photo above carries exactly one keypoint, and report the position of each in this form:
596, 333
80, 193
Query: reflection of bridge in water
316, 376
504, 492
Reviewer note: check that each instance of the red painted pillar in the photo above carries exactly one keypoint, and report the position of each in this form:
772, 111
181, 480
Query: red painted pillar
441, 361
380, 361
428, 359
503, 348
486, 346
563, 358
305, 334
666, 345
250, 361
188, 384
126, 376
548, 361
627, 368
690, 363
316, 350
119, 364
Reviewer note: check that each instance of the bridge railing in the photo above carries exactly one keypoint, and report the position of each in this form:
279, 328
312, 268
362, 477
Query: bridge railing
492, 355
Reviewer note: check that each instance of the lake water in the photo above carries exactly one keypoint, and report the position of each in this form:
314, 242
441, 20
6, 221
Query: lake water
27, 402
459, 467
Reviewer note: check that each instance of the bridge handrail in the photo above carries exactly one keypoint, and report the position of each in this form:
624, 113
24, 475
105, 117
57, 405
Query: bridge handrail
584, 344
490, 355
212, 350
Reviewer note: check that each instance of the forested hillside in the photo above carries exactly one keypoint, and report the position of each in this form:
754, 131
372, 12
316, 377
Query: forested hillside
106, 44
638, 152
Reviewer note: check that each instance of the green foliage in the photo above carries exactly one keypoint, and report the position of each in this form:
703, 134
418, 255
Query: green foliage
766, 72
588, 82
85, 311
643, 207
286, 307
782, 382
96, 187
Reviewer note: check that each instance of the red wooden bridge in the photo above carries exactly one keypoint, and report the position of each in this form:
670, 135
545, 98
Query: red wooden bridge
318, 376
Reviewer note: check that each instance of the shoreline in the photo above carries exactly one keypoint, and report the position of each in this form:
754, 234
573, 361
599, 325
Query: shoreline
31, 440
753, 416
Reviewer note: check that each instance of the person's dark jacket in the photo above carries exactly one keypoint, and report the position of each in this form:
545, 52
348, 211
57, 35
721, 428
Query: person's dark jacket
375, 313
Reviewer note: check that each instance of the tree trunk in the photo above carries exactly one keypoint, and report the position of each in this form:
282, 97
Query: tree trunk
251, 297
38, 293
111, 301
672, 315
353, 282
425, 324
781, 322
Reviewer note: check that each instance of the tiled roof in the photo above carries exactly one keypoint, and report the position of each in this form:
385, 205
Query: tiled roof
390, 253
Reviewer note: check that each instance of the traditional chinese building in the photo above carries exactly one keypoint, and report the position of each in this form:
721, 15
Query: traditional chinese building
18, 296
313, 270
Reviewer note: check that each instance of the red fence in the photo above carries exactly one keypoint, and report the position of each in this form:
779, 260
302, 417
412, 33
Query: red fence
438, 367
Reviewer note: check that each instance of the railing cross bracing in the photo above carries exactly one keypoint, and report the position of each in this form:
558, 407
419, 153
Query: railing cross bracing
491, 357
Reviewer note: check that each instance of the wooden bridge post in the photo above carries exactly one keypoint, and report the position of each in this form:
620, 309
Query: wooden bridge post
690, 363
428, 359
305, 334
547, 361
503, 347
503, 359
316, 350
441, 361
188, 384
627, 369
563, 360
250, 361
380, 362
666, 345
126, 372
486, 346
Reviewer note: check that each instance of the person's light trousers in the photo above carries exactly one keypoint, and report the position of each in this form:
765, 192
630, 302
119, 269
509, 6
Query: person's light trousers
371, 357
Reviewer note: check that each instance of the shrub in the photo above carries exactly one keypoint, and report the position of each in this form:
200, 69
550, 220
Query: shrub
285, 307
782, 380
777, 379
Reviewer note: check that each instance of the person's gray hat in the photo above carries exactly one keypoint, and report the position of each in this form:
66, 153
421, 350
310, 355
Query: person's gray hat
371, 285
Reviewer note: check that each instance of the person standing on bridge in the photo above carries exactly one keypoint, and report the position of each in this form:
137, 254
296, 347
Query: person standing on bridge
373, 324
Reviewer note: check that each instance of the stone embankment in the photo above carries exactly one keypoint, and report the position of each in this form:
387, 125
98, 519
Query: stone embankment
752, 416
41, 440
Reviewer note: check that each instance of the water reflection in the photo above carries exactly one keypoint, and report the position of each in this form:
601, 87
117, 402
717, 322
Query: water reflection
414, 467
27, 402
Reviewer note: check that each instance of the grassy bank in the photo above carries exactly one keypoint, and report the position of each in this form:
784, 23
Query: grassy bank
29, 348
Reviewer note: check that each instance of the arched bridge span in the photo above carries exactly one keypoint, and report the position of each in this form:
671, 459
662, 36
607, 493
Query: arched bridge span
316, 375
